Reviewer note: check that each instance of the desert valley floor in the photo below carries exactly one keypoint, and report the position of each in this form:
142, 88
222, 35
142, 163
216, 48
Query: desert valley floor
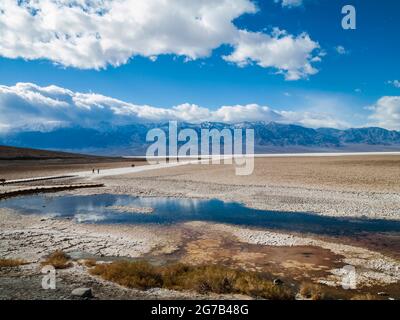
347, 188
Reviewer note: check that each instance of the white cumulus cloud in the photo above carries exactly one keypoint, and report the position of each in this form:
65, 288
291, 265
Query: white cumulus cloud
29, 106
341, 50
394, 83
92, 34
290, 3
314, 120
292, 56
386, 112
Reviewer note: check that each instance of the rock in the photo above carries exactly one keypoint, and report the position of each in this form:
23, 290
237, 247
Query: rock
82, 292
278, 282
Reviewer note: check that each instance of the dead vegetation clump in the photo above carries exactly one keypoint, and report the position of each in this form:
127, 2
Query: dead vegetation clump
312, 291
139, 275
58, 259
10, 263
90, 263
366, 296
202, 279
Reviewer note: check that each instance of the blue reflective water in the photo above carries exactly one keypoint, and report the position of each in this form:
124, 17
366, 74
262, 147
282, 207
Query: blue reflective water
97, 209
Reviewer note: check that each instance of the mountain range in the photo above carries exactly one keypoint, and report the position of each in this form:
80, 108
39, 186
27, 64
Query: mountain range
269, 137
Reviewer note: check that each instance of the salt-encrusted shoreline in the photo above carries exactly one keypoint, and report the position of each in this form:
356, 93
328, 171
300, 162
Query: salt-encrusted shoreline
32, 237
329, 203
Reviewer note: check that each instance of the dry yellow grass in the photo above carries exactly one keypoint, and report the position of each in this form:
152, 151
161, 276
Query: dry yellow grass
90, 263
203, 279
9, 263
312, 291
58, 259
366, 296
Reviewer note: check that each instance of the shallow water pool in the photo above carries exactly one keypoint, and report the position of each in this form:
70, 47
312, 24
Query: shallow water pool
106, 208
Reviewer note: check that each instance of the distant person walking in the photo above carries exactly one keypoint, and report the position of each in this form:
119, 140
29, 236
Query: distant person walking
93, 170
98, 171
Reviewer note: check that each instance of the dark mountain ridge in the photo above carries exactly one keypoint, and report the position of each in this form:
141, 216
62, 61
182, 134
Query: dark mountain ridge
269, 137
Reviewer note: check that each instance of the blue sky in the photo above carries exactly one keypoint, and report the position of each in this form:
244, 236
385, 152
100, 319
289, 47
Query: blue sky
362, 74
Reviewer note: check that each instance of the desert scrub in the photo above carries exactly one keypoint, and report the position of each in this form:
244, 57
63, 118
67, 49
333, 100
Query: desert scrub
140, 275
89, 263
202, 279
9, 263
312, 291
366, 296
58, 259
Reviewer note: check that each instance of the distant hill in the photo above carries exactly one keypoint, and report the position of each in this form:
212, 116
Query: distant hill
14, 153
269, 137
